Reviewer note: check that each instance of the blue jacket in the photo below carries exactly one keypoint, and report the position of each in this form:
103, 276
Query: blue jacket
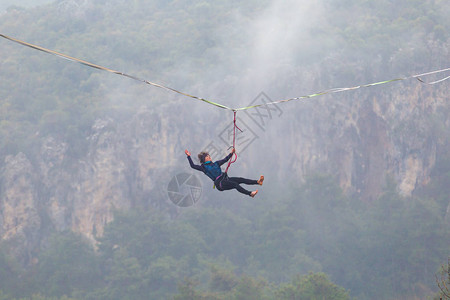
211, 169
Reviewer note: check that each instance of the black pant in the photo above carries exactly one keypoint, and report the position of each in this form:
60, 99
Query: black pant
228, 183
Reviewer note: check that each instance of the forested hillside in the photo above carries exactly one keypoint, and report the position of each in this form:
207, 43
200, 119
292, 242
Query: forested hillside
356, 198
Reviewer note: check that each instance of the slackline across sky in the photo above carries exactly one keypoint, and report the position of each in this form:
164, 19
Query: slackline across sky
328, 91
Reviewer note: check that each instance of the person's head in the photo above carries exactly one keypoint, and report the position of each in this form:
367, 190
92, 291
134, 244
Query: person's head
204, 157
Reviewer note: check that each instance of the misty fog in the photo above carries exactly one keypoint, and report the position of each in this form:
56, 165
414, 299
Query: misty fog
355, 198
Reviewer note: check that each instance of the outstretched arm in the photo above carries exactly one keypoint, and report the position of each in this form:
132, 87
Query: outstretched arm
193, 166
222, 161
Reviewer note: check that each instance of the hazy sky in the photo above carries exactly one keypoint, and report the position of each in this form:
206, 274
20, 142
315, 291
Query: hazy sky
4, 4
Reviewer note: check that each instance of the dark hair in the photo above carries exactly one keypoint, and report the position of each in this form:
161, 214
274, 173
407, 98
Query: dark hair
202, 156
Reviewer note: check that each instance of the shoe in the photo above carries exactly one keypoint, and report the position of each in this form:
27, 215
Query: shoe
261, 180
253, 194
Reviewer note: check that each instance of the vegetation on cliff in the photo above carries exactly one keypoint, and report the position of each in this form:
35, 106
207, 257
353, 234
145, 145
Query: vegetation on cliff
305, 239
391, 248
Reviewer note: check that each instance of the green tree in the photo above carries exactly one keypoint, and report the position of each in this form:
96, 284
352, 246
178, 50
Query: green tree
148, 254
402, 243
443, 282
249, 288
125, 279
187, 290
67, 265
311, 287
9, 274
225, 284
148, 236
223, 232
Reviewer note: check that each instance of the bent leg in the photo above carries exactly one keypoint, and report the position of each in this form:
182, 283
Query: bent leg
228, 184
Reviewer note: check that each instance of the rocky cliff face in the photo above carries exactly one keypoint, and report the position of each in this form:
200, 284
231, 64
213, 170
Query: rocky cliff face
20, 206
366, 138
122, 168
361, 141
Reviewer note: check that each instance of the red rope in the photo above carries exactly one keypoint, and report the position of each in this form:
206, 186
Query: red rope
234, 143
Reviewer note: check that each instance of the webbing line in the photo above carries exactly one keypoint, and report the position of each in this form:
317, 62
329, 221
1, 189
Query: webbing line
112, 71
329, 91
337, 90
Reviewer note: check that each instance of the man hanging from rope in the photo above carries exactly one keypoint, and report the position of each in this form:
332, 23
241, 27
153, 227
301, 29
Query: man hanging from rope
221, 179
